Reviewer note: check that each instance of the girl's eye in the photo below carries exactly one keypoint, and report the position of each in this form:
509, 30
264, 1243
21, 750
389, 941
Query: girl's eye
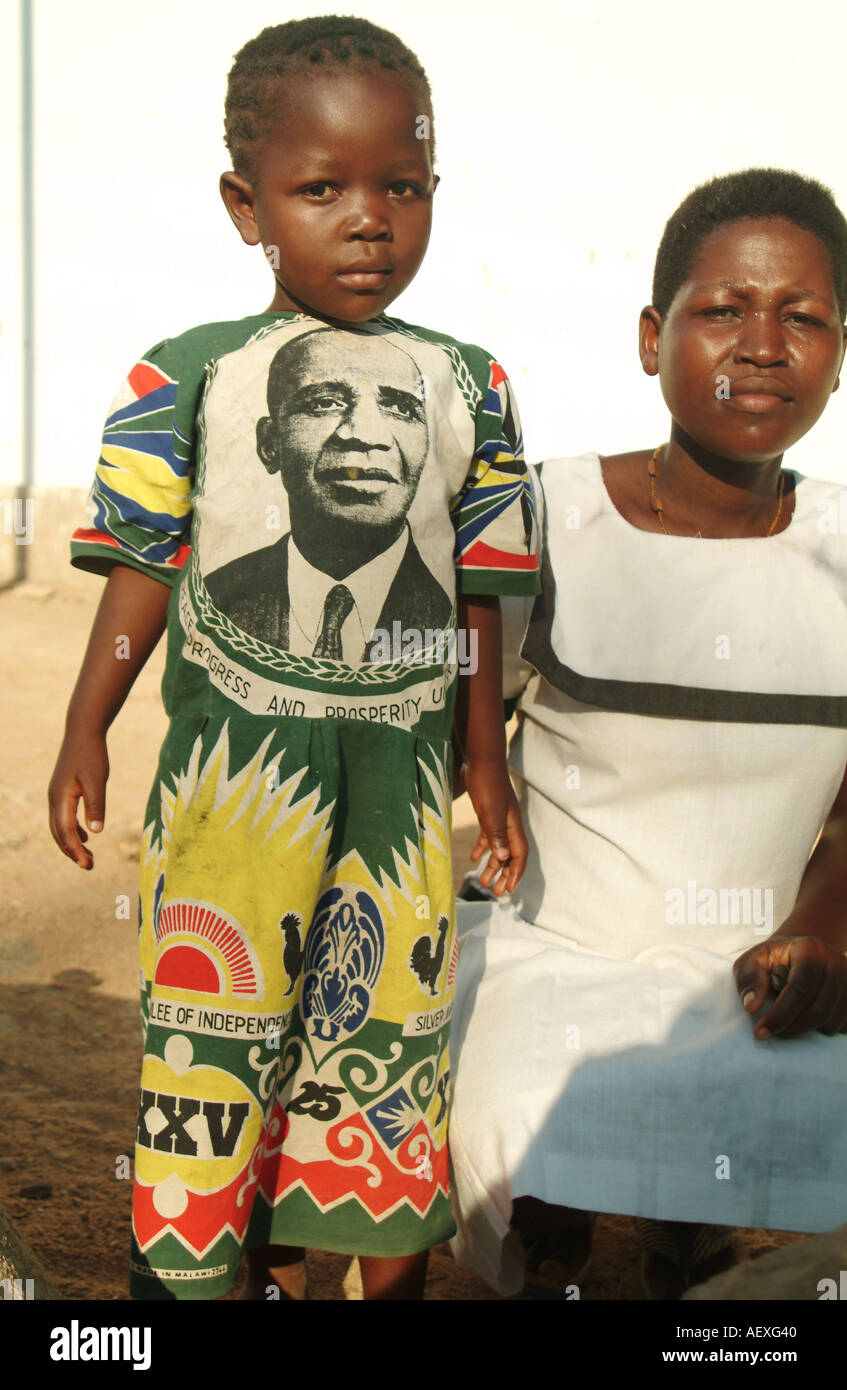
317, 190
404, 189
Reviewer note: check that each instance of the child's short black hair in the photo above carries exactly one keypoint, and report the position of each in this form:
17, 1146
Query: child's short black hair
300, 47
758, 193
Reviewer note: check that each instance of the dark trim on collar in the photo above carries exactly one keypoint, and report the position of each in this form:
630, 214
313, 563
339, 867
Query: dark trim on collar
664, 701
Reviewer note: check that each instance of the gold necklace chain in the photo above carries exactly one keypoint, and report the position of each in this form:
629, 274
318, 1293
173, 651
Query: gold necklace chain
653, 470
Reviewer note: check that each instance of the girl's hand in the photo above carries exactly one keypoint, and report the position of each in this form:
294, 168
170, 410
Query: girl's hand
82, 770
814, 996
501, 831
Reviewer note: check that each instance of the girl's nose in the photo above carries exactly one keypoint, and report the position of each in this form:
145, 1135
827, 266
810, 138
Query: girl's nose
762, 339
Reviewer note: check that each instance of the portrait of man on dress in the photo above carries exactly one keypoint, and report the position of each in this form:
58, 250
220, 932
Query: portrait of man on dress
347, 432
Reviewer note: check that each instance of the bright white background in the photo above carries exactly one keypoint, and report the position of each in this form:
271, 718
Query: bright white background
567, 133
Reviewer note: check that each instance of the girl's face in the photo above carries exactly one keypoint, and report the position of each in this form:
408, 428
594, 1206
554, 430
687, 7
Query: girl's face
750, 350
342, 198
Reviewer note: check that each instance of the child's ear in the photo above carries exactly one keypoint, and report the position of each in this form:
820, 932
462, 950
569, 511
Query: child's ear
843, 350
239, 200
649, 326
436, 179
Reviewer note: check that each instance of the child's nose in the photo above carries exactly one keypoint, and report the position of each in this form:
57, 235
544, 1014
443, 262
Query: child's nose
368, 219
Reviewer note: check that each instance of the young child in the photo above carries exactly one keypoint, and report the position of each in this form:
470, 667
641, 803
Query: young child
302, 495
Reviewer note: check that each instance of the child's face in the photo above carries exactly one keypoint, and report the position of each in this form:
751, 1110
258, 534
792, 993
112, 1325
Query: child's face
342, 198
750, 350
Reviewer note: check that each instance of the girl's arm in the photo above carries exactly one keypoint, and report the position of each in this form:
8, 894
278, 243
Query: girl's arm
481, 735
809, 945
128, 624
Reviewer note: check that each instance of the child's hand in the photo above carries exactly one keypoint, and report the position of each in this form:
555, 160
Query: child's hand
814, 996
82, 770
501, 831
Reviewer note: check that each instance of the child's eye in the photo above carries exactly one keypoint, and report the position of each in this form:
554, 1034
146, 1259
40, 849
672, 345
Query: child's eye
404, 189
320, 191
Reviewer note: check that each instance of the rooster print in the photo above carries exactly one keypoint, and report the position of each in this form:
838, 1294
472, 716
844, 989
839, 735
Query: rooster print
292, 950
427, 962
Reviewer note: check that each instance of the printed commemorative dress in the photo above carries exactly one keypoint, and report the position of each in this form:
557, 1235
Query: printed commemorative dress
316, 497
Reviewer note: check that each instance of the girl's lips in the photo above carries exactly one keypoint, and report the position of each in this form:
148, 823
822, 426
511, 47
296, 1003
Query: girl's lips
755, 402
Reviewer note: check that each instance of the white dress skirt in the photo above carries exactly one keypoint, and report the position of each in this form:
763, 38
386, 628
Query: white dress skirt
683, 735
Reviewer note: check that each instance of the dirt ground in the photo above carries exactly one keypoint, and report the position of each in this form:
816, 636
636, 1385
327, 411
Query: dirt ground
69, 1031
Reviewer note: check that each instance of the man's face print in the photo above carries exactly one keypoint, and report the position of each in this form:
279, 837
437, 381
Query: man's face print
348, 432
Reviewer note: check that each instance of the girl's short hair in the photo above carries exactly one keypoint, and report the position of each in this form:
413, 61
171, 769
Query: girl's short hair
303, 47
759, 193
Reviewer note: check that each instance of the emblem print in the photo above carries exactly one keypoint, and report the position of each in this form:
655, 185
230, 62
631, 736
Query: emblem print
345, 946
203, 949
394, 1117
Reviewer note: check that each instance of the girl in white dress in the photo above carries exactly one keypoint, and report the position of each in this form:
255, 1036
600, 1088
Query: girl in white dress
649, 1026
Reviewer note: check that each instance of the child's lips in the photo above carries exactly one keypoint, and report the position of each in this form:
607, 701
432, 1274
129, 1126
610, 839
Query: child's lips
365, 277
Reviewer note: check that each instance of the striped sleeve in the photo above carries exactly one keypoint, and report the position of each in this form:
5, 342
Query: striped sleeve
493, 515
139, 508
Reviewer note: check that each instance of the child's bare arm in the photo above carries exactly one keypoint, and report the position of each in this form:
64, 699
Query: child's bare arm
128, 624
807, 950
480, 733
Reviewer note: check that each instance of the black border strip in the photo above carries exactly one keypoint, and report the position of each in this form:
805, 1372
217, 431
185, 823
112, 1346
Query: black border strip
664, 701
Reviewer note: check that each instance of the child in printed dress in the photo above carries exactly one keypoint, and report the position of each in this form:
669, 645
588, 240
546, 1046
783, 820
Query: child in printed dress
303, 498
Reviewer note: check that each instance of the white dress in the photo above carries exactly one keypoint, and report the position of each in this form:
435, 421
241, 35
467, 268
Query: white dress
683, 737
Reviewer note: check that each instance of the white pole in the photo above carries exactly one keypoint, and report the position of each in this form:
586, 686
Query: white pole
27, 279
